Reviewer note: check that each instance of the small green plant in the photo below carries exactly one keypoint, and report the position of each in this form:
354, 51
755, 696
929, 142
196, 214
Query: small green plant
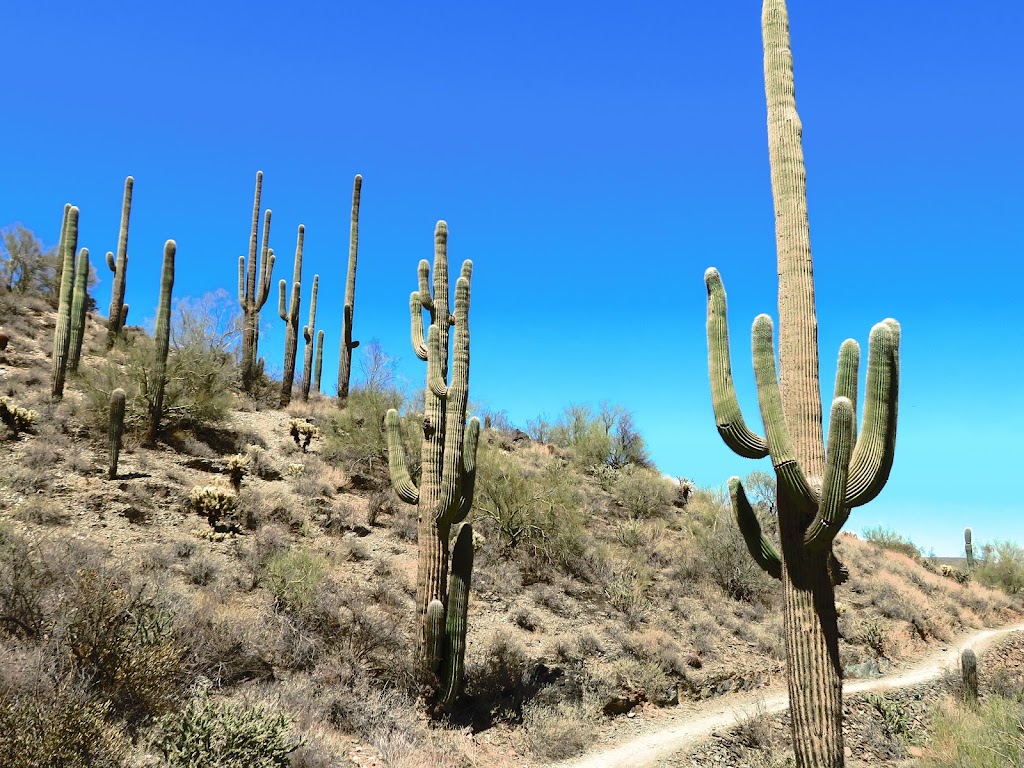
295, 578
1001, 566
895, 718
219, 734
886, 538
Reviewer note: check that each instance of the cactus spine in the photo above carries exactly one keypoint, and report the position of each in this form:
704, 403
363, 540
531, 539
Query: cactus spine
347, 344
289, 312
968, 548
308, 336
78, 304
116, 430
444, 494
254, 288
118, 313
62, 333
318, 366
817, 484
162, 338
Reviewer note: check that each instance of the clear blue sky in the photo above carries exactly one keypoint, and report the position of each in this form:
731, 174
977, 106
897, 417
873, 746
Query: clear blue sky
592, 159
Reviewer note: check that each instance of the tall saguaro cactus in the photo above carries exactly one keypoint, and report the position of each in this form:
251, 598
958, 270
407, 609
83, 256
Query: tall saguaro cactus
817, 484
118, 313
79, 302
444, 494
162, 337
347, 344
968, 548
308, 336
318, 365
62, 333
254, 287
115, 431
289, 312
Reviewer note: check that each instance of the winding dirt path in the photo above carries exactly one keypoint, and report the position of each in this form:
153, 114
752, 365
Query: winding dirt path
690, 727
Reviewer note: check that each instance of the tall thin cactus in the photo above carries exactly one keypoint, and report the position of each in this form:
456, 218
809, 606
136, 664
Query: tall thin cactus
444, 494
817, 484
254, 288
969, 676
347, 344
62, 333
162, 339
116, 430
118, 313
318, 365
968, 548
309, 337
79, 304
289, 312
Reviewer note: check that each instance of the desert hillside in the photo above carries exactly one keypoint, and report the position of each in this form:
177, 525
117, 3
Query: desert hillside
233, 570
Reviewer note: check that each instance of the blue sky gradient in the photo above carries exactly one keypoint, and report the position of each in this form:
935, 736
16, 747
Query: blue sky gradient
593, 161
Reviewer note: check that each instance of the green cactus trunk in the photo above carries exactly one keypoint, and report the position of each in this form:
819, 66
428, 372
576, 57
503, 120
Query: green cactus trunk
290, 314
318, 366
448, 462
79, 302
308, 337
118, 313
347, 344
162, 339
968, 548
455, 621
253, 288
817, 484
62, 333
117, 399
969, 676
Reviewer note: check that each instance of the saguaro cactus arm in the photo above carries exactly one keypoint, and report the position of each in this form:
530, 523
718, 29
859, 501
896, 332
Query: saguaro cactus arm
758, 545
728, 416
400, 479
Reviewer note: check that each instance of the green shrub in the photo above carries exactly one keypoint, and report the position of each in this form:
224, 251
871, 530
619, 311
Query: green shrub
642, 492
1002, 566
295, 578
886, 538
989, 736
219, 734
605, 437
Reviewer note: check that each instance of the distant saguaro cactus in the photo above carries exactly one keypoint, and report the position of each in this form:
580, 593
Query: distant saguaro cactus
347, 344
309, 337
817, 484
289, 312
62, 333
79, 302
254, 288
968, 548
118, 313
162, 337
447, 473
117, 398
318, 365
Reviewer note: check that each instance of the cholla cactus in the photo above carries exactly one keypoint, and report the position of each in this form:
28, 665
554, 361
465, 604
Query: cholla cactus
238, 466
16, 419
215, 504
302, 433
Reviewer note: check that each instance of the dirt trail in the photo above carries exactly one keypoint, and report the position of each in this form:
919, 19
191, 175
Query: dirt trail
689, 728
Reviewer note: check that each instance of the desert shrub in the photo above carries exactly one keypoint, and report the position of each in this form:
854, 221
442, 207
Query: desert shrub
557, 731
886, 538
62, 727
533, 513
27, 267
217, 734
24, 584
1001, 566
642, 492
498, 677
295, 578
119, 642
605, 437
988, 736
